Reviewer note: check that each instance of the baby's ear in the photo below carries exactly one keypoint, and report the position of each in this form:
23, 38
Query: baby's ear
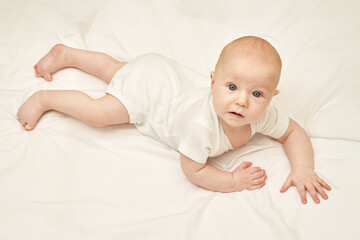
212, 75
276, 92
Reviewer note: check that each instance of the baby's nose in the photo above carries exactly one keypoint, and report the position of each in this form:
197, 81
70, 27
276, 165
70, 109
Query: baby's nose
242, 100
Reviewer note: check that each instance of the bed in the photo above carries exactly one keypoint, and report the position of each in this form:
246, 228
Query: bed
68, 180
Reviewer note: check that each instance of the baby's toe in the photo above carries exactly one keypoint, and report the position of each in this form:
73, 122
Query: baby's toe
19, 118
37, 74
22, 122
47, 77
28, 127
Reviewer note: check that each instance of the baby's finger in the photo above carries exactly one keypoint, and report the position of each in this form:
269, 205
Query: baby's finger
245, 165
286, 185
320, 190
259, 180
258, 174
253, 187
324, 184
254, 170
302, 193
313, 193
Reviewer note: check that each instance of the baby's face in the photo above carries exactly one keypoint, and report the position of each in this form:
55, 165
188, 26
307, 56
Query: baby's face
242, 88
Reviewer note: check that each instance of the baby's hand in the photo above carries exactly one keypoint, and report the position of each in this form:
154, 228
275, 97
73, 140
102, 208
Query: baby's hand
246, 177
306, 179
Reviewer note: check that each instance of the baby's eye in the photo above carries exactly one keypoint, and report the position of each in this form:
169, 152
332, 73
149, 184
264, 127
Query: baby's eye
256, 94
232, 87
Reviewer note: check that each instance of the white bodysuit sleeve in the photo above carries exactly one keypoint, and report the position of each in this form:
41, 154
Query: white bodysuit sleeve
196, 142
273, 123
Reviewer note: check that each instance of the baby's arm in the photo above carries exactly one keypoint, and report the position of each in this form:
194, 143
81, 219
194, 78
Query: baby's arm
211, 178
299, 150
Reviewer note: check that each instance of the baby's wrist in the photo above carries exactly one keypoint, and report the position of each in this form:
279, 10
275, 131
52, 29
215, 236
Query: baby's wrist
233, 182
302, 167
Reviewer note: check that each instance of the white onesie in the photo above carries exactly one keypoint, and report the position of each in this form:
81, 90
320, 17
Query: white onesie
173, 104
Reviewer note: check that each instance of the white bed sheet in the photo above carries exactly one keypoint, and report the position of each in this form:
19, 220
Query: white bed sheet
67, 180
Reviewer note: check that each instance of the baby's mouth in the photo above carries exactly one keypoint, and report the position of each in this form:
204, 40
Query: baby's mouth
238, 115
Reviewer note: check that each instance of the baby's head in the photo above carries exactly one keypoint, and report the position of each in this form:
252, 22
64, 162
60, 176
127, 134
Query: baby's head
245, 80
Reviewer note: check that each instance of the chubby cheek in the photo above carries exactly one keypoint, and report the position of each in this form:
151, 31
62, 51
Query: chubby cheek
258, 112
220, 104
217, 105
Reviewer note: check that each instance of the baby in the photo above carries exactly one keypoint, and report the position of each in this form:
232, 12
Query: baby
197, 120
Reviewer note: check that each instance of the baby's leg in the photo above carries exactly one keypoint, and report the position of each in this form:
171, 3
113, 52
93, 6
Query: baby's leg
61, 56
96, 112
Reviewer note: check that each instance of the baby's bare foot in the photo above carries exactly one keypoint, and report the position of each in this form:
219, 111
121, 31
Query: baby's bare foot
30, 112
53, 61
